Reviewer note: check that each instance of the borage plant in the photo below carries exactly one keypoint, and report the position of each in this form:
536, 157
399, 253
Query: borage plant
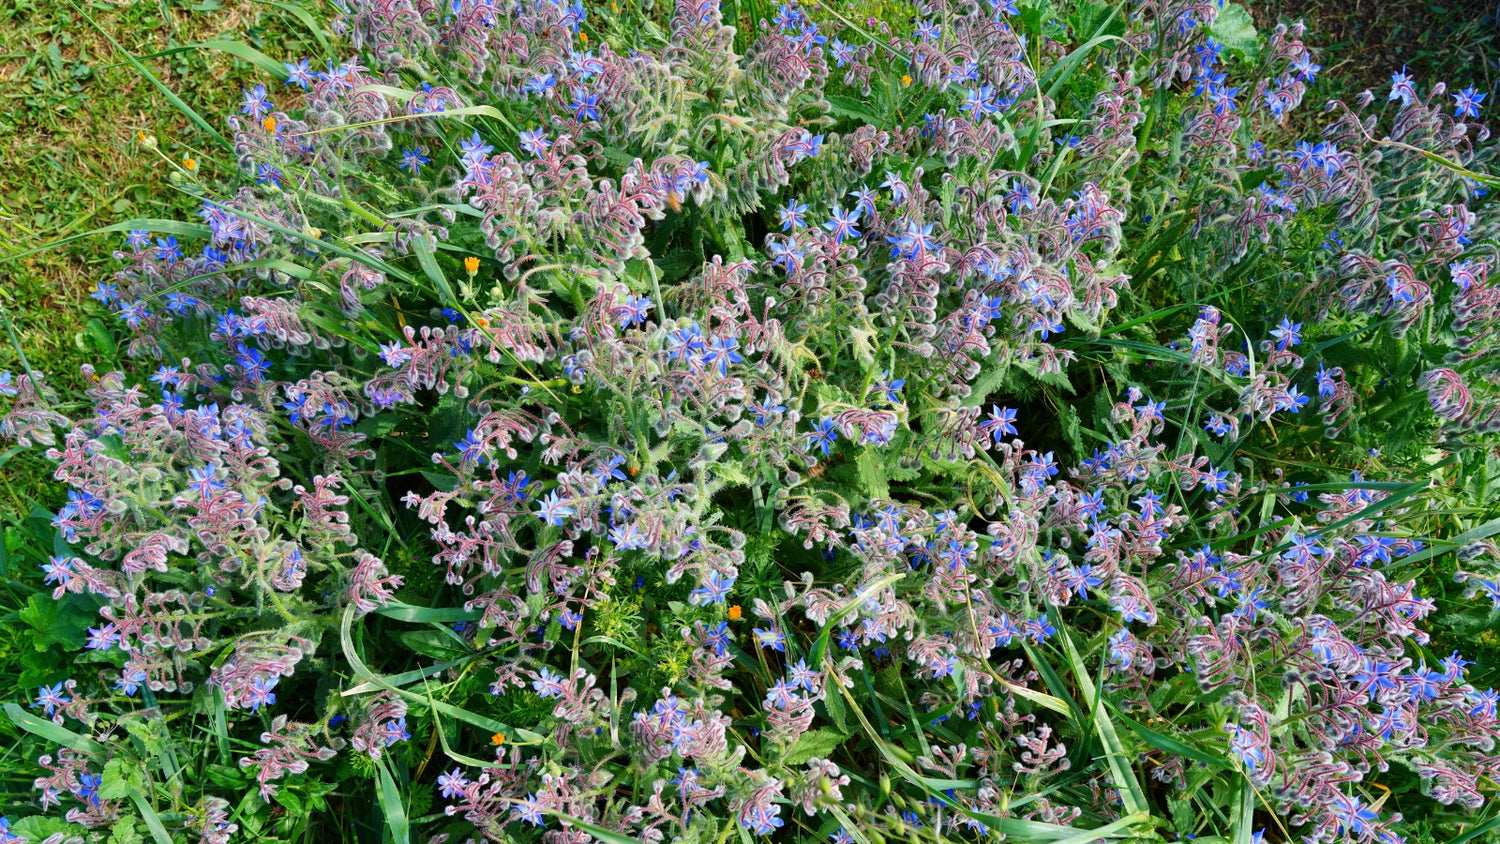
703, 382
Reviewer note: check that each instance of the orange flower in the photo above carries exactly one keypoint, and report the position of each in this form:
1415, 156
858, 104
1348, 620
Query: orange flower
497, 738
270, 124
188, 163
735, 612
471, 264
584, 37
905, 80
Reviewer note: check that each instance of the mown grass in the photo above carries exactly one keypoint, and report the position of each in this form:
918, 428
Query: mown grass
71, 118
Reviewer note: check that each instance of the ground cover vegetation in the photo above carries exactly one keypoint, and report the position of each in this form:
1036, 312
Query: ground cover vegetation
706, 421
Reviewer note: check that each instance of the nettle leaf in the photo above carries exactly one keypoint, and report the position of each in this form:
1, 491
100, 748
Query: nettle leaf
991, 379
817, 743
1235, 29
1089, 20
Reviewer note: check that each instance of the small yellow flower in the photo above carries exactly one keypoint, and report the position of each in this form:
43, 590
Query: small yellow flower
188, 163
906, 79
497, 739
735, 612
270, 124
584, 37
471, 264
481, 322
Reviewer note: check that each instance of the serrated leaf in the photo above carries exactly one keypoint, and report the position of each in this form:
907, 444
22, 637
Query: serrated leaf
838, 712
990, 379
1235, 29
731, 472
852, 108
119, 779
1071, 429
1091, 19
818, 743
1033, 367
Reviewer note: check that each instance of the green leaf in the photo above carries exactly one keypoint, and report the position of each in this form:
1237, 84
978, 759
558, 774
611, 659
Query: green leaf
820, 743
242, 51
426, 258
852, 108
152, 819
289, 799
155, 226
838, 712
1244, 816
407, 612
1478, 832
1121, 772
730, 472
50, 731
990, 379
1236, 31
119, 779
42, 827
1091, 19
872, 473
307, 20
1167, 743
393, 806
433, 643
58, 624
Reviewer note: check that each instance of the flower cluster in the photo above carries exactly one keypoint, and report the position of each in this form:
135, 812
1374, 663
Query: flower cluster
643, 323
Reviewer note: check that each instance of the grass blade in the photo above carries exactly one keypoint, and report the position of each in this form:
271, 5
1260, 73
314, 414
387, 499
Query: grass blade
152, 819
393, 806
1120, 768
50, 731
176, 101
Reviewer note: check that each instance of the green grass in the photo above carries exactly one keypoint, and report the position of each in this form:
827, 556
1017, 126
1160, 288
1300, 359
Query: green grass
70, 118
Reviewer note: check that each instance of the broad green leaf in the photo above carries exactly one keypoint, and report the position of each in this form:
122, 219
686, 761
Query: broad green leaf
433, 643
853, 108
871, 463
1235, 29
